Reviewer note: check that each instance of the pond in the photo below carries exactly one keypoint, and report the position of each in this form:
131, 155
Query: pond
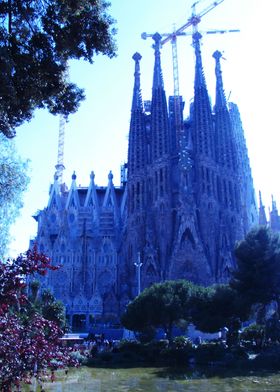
159, 379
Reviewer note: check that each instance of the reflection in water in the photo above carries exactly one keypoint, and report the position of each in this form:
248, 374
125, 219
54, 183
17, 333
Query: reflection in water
159, 379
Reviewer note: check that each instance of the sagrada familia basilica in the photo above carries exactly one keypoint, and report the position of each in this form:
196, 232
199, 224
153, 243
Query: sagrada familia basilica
185, 198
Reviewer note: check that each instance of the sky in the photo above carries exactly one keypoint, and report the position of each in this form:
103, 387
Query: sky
96, 137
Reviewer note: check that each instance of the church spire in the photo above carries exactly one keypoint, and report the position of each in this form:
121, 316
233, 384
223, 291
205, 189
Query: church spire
202, 112
137, 142
225, 151
137, 103
159, 115
262, 214
220, 94
157, 79
199, 72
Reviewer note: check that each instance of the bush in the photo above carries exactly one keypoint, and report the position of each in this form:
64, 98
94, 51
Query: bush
268, 359
210, 352
130, 346
253, 334
272, 328
147, 335
82, 359
181, 342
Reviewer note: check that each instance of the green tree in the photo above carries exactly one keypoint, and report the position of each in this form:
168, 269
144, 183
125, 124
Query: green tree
161, 305
257, 275
13, 182
52, 309
37, 38
216, 307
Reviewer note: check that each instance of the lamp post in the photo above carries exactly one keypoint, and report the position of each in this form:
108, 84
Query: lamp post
138, 265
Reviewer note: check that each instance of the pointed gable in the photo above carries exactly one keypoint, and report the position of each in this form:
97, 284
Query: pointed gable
110, 200
73, 197
54, 199
91, 197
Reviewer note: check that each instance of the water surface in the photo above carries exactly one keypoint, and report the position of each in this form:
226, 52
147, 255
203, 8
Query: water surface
160, 379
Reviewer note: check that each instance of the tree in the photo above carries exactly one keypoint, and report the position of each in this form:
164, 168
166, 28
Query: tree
29, 343
13, 182
37, 38
52, 309
216, 307
257, 275
161, 305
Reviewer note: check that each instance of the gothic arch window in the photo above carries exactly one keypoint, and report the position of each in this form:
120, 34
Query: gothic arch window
110, 304
105, 282
227, 272
150, 271
107, 254
187, 237
150, 276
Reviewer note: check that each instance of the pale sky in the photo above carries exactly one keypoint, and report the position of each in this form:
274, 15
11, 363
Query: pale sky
96, 137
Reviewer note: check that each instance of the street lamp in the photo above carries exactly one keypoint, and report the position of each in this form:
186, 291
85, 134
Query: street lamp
138, 265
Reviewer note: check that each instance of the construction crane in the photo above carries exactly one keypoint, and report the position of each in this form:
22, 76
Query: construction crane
60, 152
193, 21
61, 135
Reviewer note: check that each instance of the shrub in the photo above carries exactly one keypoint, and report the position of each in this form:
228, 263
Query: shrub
130, 346
254, 334
209, 352
76, 355
181, 342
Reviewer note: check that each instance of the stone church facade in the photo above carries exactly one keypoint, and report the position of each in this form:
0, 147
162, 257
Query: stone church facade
185, 198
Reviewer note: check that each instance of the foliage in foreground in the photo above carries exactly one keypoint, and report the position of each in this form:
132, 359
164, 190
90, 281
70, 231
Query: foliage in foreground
257, 275
255, 282
13, 182
29, 343
164, 305
37, 38
161, 305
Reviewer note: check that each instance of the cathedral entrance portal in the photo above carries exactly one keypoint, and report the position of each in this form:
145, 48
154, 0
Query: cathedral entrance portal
79, 323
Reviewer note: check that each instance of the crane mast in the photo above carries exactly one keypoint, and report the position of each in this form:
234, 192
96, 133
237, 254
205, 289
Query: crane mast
61, 136
60, 151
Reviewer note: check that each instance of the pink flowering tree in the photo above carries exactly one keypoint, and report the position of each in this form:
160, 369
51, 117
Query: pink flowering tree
29, 343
